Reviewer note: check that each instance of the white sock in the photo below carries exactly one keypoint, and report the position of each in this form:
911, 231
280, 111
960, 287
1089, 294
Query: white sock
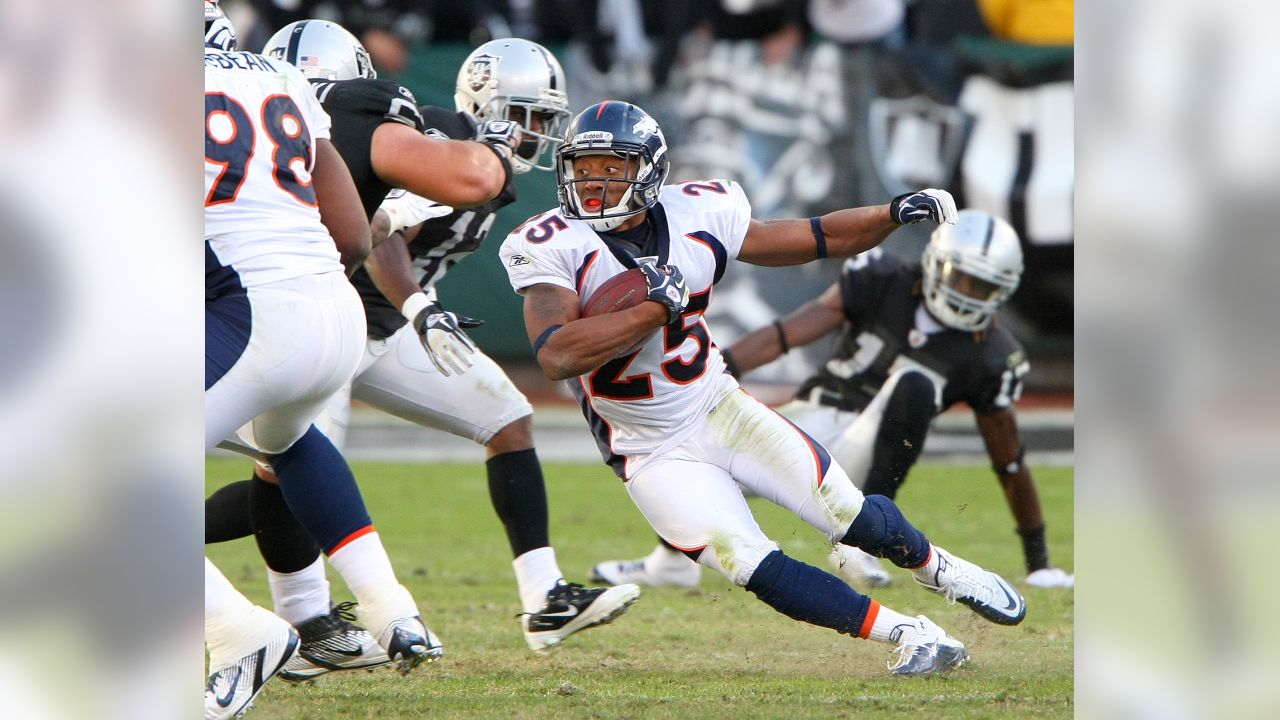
884, 622
536, 573
233, 626
302, 595
364, 565
925, 572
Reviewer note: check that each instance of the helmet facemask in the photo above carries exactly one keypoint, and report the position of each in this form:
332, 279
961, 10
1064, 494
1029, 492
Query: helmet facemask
638, 175
963, 291
542, 122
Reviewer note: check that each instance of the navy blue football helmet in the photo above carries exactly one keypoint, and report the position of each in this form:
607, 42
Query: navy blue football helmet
624, 131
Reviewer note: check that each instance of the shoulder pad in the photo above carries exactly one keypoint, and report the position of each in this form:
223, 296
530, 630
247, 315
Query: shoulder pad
389, 99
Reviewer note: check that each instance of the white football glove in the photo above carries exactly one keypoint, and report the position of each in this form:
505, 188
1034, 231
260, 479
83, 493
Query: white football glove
440, 331
404, 210
1051, 578
928, 204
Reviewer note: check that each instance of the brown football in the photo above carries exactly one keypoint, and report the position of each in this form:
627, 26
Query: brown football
624, 290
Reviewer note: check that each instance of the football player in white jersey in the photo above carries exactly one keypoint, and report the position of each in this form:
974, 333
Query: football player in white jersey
918, 338
678, 430
283, 331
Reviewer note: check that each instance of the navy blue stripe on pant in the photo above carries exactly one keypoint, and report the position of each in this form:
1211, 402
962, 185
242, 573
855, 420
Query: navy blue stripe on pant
228, 322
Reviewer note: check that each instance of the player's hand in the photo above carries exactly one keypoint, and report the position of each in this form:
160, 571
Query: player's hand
499, 133
1051, 578
404, 210
667, 287
447, 345
928, 204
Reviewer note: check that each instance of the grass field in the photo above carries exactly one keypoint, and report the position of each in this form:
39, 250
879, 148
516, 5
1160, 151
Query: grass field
714, 652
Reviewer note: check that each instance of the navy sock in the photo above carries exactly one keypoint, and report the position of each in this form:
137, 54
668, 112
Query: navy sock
226, 514
320, 489
519, 496
881, 530
284, 543
803, 592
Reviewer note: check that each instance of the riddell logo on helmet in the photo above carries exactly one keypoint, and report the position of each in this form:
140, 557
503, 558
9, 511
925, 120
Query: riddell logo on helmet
593, 136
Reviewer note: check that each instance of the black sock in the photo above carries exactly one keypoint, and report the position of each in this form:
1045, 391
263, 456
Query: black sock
519, 496
1035, 549
900, 439
226, 514
284, 543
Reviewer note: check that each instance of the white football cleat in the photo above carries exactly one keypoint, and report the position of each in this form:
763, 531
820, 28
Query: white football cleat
1051, 578
331, 642
985, 592
925, 649
232, 688
663, 566
409, 643
857, 568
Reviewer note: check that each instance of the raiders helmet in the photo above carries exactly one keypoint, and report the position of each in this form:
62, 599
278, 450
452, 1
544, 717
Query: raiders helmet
970, 269
321, 50
628, 133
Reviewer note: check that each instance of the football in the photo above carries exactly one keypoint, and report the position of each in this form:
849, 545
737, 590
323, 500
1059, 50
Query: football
624, 290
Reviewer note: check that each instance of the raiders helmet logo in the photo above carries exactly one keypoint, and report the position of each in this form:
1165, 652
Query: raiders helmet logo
480, 71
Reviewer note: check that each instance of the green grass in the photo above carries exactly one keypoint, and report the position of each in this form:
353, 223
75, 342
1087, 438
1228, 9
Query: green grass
711, 652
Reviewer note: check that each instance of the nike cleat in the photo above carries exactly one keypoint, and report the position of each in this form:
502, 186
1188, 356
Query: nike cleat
923, 648
660, 567
409, 642
571, 607
232, 688
985, 592
857, 568
332, 642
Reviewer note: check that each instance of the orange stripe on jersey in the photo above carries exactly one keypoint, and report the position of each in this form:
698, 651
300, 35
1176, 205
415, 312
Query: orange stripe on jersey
349, 539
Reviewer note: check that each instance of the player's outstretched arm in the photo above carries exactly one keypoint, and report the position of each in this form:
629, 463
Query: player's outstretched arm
567, 344
800, 327
340, 207
843, 233
460, 173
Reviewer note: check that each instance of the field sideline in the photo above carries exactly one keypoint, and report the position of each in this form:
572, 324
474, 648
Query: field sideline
706, 653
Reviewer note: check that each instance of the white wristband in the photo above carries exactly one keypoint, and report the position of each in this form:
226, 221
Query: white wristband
414, 305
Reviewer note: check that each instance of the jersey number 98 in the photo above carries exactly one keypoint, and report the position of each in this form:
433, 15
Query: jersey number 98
229, 141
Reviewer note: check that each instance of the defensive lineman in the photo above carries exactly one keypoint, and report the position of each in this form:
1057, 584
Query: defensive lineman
282, 333
672, 424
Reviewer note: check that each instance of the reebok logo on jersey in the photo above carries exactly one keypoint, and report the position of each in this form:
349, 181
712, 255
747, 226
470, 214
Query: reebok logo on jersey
518, 260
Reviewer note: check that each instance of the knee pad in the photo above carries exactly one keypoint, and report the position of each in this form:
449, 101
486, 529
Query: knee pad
881, 530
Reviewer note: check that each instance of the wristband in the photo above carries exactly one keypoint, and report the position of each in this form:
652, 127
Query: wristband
819, 237
782, 337
542, 339
414, 305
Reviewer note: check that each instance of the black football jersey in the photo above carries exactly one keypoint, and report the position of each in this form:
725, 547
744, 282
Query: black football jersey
442, 242
357, 108
881, 294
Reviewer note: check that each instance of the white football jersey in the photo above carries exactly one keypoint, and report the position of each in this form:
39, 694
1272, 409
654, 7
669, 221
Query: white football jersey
261, 125
642, 402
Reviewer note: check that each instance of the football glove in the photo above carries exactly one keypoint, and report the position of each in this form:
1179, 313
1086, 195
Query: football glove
440, 331
667, 287
404, 210
929, 204
499, 133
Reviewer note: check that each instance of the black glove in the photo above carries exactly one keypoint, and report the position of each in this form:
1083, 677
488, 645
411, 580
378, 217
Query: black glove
498, 133
446, 344
667, 286
931, 203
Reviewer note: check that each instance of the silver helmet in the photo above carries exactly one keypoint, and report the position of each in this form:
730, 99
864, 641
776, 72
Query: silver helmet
322, 50
218, 31
518, 80
970, 269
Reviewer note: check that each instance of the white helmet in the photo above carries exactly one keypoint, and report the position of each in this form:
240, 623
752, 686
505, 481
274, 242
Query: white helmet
321, 50
218, 31
513, 73
970, 269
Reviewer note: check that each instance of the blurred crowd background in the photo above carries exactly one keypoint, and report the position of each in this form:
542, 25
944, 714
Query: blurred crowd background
812, 105
101, 456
